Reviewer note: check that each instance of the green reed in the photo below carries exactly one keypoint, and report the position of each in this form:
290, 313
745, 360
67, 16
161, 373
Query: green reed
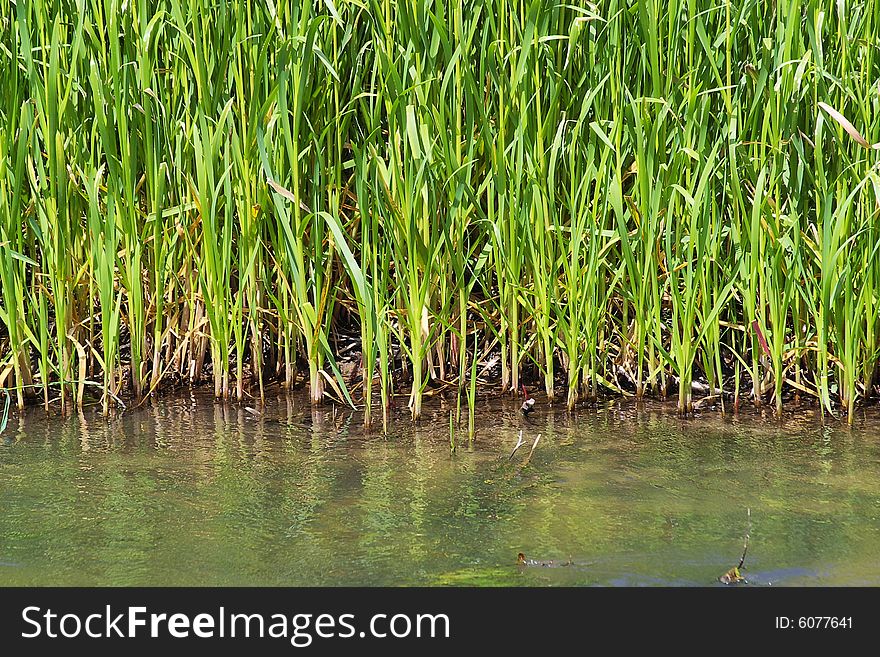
619, 196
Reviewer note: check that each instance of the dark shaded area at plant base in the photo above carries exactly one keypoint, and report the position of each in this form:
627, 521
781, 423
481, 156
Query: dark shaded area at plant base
187, 491
346, 340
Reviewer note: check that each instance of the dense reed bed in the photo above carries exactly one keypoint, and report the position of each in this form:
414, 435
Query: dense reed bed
628, 196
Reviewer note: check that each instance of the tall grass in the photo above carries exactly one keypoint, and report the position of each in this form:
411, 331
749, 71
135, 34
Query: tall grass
628, 196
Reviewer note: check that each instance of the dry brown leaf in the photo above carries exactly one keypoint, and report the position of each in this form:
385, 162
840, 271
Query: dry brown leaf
286, 193
849, 127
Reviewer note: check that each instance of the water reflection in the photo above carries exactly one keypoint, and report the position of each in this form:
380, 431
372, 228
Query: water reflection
187, 491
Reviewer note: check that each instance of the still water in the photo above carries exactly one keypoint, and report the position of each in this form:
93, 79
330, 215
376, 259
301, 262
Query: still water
189, 492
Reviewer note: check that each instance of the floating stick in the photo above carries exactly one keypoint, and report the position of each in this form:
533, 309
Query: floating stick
519, 443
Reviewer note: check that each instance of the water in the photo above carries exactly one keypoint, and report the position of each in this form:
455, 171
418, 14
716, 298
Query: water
188, 492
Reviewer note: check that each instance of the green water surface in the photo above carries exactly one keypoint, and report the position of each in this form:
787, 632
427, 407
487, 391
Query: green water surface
189, 492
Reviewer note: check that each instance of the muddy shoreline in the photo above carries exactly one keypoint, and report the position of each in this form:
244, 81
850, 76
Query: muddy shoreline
443, 401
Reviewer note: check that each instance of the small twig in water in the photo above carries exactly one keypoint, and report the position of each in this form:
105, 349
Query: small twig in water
532, 451
519, 443
746, 541
733, 576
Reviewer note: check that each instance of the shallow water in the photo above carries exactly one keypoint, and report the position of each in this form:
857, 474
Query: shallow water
189, 492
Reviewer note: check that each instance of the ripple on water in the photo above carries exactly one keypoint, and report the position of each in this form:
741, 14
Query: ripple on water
186, 490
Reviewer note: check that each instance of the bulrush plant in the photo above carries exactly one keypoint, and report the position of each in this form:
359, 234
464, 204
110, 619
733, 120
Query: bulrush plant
628, 197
